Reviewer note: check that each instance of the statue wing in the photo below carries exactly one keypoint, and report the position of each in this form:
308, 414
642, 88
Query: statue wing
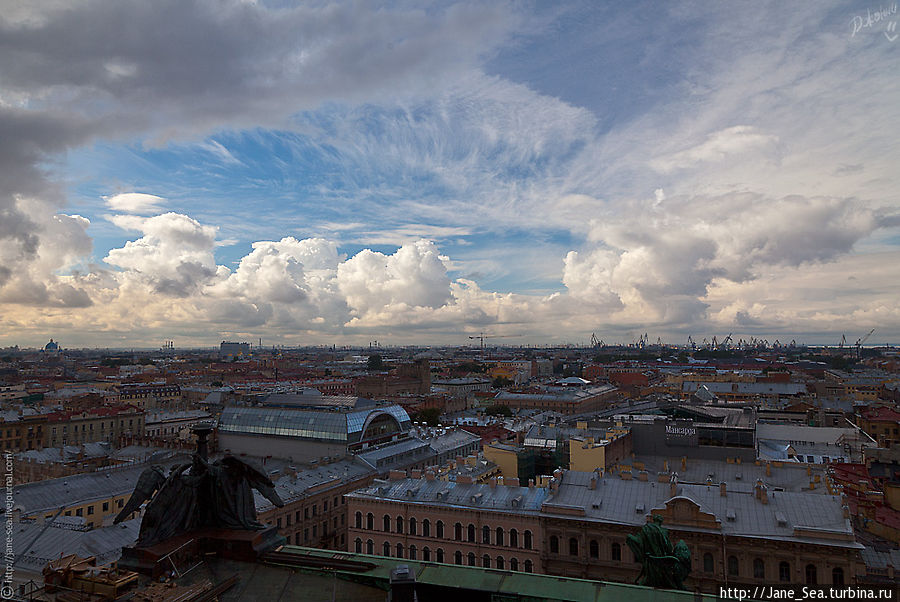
148, 483
256, 478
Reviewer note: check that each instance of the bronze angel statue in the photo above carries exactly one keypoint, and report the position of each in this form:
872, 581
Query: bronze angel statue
662, 563
198, 495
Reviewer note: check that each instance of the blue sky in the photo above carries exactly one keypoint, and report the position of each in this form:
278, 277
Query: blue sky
332, 172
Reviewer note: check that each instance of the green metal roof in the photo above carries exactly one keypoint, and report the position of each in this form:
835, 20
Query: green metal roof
503, 584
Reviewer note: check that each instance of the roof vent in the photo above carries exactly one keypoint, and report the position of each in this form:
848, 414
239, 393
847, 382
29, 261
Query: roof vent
413, 492
639, 509
738, 476
475, 499
516, 501
442, 494
730, 515
781, 519
596, 505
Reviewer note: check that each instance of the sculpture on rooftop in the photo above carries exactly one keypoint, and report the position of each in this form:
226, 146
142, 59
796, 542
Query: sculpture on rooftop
662, 564
198, 495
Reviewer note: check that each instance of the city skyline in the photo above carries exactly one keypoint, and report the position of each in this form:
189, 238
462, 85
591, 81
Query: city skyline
338, 173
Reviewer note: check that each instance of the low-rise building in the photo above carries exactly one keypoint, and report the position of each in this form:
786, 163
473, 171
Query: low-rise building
107, 423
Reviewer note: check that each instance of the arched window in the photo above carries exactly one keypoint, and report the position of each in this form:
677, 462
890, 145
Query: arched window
554, 544
457, 557
708, 563
759, 568
594, 549
500, 563
514, 564
386, 523
370, 521
471, 533
498, 537
616, 551
426, 554
485, 534
486, 561
784, 571
412, 552
457, 531
358, 545
573, 546
471, 558
811, 577
513, 538
399, 524
527, 540
359, 520
412, 526
399, 550
370, 546
837, 576
386, 549
426, 528
440, 529
733, 568
439, 555
528, 566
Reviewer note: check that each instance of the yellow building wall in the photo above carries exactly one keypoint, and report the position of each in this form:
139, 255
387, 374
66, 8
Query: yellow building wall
585, 457
505, 459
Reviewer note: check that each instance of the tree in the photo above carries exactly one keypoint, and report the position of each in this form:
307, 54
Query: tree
500, 382
430, 416
375, 362
498, 410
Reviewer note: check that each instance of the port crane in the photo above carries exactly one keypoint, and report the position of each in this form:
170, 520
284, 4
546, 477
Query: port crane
862, 340
481, 336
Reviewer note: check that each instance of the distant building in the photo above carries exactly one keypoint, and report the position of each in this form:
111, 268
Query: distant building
231, 349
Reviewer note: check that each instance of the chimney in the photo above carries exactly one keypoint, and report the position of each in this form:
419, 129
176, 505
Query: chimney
530, 483
429, 475
416, 473
846, 510
683, 462
763, 495
665, 466
673, 485
493, 482
396, 475
593, 484
463, 479
722, 491
642, 475
511, 482
554, 484
768, 469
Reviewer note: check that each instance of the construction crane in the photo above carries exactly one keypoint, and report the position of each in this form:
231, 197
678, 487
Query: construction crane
843, 341
725, 341
595, 342
482, 336
859, 342
691, 342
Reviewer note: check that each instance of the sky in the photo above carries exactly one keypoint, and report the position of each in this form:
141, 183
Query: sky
324, 173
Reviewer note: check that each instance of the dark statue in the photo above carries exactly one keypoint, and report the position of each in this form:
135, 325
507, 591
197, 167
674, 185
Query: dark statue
198, 495
662, 564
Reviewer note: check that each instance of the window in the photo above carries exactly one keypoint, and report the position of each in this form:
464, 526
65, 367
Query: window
837, 576
358, 544
573, 546
513, 539
279, 522
370, 546
386, 523
426, 528
457, 557
399, 550
759, 568
412, 552
325, 506
733, 568
784, 571
486, 561
457, 531
314, 531
78, 512
399, 524
471, 558
412, 526
485, 534
386, 549
554, 544
499, 536
440, 529
90, 509
439, 555
426, 554
306, 536
811, 578
500, 562
306, 512
528, 566
527, 540
370, 521
616, 551
359, 520
708, 564
514, 564
471, 533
